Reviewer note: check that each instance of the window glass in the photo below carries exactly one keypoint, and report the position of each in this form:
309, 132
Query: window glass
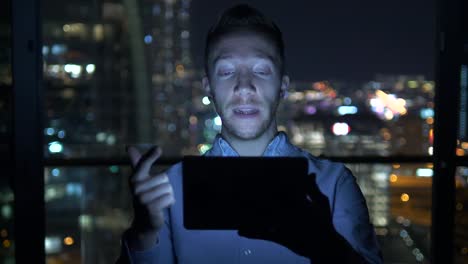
87, 210
126, 72
121, 72
399, 200
90, 206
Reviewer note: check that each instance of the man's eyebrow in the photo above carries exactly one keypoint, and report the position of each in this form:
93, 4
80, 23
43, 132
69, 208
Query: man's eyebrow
257, 55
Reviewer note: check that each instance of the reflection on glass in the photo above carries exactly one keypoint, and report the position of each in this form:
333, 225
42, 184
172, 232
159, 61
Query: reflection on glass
89, 207
87, 210
399, 200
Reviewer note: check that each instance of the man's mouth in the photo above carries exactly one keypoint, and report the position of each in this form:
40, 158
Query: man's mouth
246, 111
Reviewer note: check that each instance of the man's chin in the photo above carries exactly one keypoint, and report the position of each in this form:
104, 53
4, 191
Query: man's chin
245, 134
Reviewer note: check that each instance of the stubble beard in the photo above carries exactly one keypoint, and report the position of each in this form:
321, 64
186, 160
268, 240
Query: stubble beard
244, 134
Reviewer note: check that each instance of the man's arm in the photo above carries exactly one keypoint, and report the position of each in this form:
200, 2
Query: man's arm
351, 220
324, 235
161, 251
148, 238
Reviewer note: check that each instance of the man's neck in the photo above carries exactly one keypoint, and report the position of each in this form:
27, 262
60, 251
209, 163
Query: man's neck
252, 147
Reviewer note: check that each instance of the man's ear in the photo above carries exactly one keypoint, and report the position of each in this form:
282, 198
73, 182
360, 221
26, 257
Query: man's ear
206, 87
284, 86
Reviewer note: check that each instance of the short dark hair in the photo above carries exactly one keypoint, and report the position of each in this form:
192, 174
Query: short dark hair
240, 18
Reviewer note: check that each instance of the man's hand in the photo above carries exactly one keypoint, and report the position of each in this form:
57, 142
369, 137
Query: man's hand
151, 195
305, 228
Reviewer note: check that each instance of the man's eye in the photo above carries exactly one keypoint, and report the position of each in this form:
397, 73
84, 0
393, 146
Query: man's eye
262, 71
225, 72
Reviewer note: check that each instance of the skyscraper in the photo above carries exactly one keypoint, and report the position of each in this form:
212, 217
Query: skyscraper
165, 25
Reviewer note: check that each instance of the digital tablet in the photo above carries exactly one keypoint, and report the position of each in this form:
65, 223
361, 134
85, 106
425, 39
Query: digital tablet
229, 192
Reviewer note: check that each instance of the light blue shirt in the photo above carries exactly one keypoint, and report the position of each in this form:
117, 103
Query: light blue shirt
179, 245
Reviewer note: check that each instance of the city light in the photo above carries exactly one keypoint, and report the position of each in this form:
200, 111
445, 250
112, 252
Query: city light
347, 110
217, 121
148, 39
393, 178
45, 50
6, 243
202, 148
49, 131
101, 136
412, 84
426, 113
110, 140
464, 145
58, 49
61, 134
55, 147
296, 96
66, 27
85, 221
392, 104
55, 172
52, 245
184, 34
180, 68
206, 100
114, 169
310, 109
193, 120
424, 172
7, 211
404, 197
341, 129
90, 68
73, 69
68, 241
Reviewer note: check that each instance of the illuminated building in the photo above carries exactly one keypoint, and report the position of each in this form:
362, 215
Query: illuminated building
166, 33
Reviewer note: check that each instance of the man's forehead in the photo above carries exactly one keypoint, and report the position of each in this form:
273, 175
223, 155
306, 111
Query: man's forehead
230, 55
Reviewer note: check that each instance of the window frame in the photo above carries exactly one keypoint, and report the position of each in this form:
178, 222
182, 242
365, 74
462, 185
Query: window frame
27, 152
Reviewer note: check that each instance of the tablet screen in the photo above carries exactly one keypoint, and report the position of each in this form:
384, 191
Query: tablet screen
228, 192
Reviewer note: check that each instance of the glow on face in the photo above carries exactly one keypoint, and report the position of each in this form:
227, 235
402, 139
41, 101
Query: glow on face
245, 81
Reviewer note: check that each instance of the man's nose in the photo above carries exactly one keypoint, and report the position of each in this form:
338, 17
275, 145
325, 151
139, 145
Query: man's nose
244, 83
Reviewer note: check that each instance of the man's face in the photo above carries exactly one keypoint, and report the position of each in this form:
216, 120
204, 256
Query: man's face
245, 83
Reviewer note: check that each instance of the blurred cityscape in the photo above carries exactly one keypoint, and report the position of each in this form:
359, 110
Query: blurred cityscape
121, 72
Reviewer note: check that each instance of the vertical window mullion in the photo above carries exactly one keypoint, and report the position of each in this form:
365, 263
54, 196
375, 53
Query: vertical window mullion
28, 179
445, 129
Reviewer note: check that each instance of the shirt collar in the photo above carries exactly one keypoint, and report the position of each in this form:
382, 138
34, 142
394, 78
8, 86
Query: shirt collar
279, 146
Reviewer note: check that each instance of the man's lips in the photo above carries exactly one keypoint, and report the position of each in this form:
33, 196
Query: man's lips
246, 111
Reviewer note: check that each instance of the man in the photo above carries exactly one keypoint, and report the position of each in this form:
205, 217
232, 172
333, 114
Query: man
245, 78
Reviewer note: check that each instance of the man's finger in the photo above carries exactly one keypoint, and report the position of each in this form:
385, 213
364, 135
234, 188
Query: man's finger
134, 154
144, 164
147, 184
162, 202
155, 193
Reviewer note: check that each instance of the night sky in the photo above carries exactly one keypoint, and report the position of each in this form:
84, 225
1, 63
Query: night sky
340, 40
